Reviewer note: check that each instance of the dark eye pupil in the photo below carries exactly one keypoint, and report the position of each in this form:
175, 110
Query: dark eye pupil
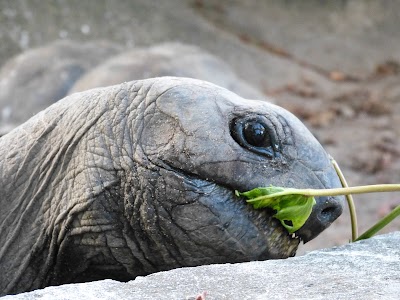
256, 134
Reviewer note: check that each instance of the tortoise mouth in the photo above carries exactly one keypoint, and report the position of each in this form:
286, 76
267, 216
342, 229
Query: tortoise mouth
282, 243
278, 242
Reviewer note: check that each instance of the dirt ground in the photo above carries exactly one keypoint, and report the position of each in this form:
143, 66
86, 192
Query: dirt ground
334, 64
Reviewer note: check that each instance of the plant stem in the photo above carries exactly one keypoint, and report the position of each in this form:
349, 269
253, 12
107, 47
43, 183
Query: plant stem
350, 202
380, 224
362, 189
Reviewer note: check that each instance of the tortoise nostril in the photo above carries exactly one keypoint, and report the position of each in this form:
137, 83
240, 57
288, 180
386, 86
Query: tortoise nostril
331, 212
326, 215
328, 211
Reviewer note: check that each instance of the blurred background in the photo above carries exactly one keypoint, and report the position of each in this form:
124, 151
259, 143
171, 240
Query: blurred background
334, 64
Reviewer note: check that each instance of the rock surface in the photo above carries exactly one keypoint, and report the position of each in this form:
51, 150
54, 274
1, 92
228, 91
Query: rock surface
369, 269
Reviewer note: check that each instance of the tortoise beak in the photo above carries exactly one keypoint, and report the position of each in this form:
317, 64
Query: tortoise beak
327, 210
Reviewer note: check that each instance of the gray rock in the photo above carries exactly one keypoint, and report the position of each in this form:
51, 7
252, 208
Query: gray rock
369, 269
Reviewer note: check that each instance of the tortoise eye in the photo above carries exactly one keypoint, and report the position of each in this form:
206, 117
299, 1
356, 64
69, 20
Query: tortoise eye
255, 135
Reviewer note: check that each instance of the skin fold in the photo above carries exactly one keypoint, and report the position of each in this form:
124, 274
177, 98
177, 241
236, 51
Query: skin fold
137, 178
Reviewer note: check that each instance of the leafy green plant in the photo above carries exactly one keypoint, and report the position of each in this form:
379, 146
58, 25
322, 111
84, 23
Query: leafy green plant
292, 209
293, 206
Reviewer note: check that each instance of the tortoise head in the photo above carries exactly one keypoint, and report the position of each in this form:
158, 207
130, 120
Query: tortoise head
204, 143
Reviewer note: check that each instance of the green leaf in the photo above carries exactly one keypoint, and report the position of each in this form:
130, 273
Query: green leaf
293, 206
292, 210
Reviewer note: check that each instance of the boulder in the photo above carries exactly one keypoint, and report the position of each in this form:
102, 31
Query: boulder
368, 269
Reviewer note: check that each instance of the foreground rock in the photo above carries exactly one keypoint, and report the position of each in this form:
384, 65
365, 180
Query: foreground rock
364, 270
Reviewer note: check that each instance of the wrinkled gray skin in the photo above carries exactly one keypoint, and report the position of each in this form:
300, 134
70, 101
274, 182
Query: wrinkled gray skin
37, 78
167, 59
140, 177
